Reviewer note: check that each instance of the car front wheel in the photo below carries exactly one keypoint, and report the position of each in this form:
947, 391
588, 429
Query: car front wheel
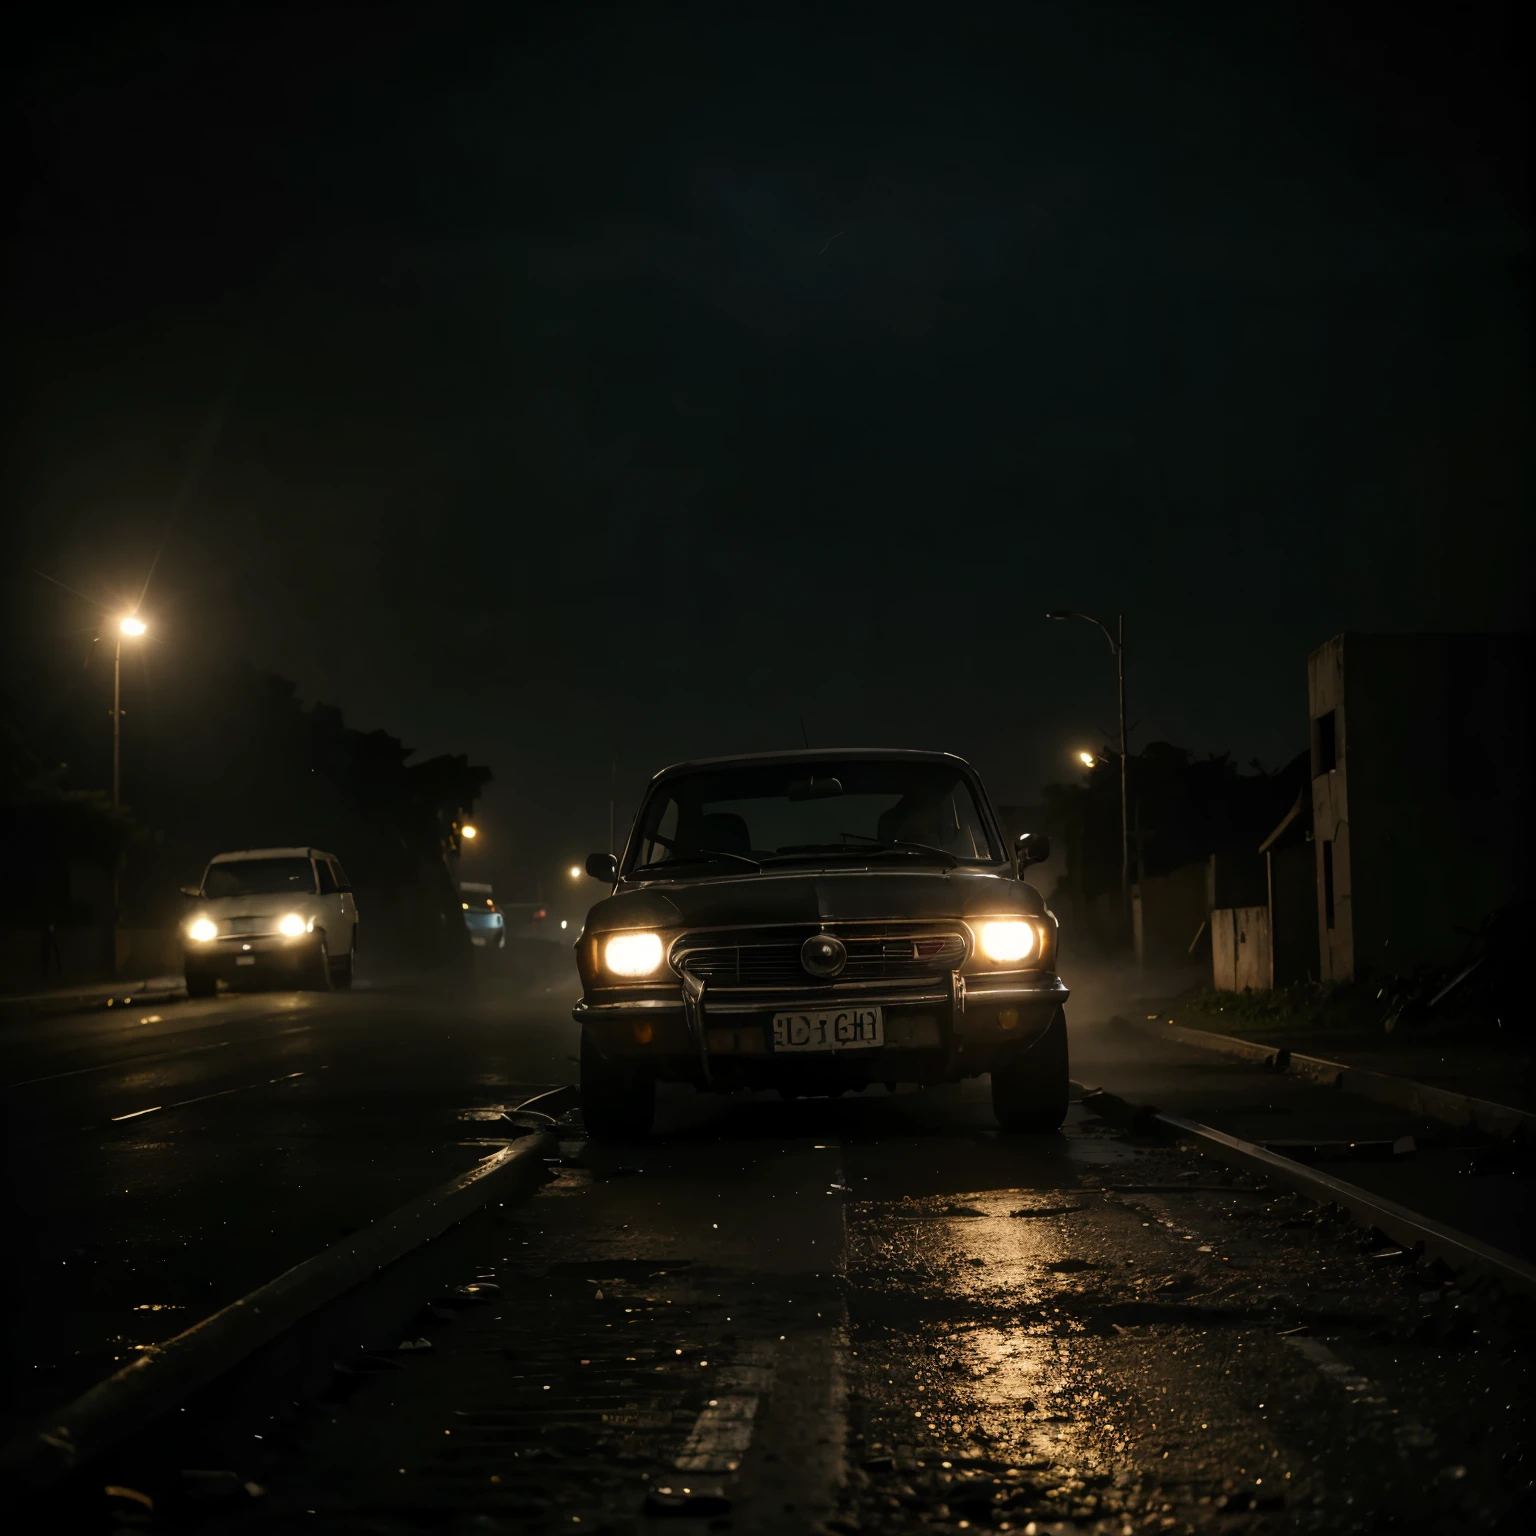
1029, 1092
617, 1104
320, 978
201, 983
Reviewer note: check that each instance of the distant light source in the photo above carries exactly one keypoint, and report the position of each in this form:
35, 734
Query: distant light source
1087, 759
575, 871
469, 831
131, 625
563, 923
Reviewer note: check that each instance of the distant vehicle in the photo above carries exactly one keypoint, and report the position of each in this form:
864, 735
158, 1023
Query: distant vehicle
530, 920
816, 922
487, 927
270, 912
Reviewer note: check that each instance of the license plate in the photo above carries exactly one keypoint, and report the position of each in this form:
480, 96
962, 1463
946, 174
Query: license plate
836, 1029
245, 959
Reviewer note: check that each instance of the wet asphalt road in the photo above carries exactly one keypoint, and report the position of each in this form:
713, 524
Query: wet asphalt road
162, 1161
864, 1314
882, 1315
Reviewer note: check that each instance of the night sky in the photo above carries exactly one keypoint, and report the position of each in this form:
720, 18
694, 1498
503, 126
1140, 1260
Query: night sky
550, 382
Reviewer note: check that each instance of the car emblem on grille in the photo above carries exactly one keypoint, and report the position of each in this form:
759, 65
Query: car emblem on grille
822, 955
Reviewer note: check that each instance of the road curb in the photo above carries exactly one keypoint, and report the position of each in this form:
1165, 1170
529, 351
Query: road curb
166, 1375
47, 1005
1445, 1104
1411, 1230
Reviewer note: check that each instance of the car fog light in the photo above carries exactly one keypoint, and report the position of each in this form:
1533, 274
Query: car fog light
202, 930
633, 954
291, 926
1007, 941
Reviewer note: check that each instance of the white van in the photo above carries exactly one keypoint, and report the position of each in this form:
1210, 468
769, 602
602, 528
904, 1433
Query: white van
270, 912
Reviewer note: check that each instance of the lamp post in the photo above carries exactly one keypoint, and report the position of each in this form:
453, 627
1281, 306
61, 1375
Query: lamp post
130, 626
1117, 646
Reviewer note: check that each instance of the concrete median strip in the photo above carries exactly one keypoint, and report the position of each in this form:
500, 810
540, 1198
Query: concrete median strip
1423, 1098
166, 1375
1413, 1231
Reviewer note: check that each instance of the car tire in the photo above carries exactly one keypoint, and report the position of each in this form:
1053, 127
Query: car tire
320, 978
617, 1103
201, 983
1029, 1091
341, 974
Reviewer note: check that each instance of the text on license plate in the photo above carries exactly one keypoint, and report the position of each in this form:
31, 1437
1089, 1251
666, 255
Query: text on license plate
835, 1029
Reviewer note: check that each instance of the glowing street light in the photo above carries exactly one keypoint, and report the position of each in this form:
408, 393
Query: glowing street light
1087, 759
132, 626
470, 831
575, 871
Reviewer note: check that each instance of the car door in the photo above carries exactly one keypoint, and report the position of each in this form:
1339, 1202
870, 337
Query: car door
348, 901
337, 931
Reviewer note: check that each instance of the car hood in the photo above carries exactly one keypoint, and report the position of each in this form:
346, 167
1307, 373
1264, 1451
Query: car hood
814, 896
254, 906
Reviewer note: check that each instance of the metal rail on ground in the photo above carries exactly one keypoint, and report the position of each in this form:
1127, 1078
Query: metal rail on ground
165, 1376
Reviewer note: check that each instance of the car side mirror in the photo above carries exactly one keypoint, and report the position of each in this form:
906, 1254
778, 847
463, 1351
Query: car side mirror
191, 890
1032, 848
603, 866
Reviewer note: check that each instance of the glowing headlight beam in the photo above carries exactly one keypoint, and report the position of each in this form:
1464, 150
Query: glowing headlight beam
202, 929
291, 926
1007, 940
633, 954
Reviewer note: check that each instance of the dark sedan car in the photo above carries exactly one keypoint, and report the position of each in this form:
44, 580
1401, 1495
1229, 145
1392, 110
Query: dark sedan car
816, 922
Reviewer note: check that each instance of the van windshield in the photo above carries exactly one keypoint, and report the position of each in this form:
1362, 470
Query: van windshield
813, 812
259, 877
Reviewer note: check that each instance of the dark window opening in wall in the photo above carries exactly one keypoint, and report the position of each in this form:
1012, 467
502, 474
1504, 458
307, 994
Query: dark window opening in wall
1325, 743
1328, 884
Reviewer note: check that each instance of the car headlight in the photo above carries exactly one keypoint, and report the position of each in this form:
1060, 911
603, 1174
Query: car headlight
291, 926
1009, 940
202, 929
632, 954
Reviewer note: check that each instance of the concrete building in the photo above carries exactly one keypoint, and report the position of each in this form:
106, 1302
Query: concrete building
1421, 788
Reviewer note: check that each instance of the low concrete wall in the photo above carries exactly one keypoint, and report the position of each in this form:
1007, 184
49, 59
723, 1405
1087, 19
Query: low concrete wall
34, 958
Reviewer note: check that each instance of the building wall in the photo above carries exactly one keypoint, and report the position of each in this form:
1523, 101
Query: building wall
1419, 793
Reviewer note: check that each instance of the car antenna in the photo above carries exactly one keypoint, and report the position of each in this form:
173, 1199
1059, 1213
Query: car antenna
803, 736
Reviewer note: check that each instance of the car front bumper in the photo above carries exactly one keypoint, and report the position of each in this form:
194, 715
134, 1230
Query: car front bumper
722, 1039
248, 955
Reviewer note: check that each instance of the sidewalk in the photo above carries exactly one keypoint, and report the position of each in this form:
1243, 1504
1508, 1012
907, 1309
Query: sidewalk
1502, 1071
88, 995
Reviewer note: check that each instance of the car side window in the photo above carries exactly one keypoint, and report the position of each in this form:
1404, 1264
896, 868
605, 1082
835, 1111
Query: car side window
327, 875
342, 883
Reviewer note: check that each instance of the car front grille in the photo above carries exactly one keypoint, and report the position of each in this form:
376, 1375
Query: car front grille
768, 958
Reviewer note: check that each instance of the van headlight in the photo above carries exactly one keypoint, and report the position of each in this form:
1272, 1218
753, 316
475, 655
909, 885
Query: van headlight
202, 929
291, 926
1007, 941
633, 954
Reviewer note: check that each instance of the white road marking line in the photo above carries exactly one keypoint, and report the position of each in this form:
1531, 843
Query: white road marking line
722, 1433
720, 1436
203, 1098
1409, 1433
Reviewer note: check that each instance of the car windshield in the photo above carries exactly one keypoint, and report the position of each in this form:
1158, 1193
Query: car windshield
259, 877
812, 812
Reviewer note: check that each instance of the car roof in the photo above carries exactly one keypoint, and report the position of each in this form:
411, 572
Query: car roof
271, 853
474, 888
817, 754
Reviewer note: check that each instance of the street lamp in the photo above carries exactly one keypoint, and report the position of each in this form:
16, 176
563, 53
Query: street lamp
470, 831
1087, 759
575, 872
1117, 646
132, 626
